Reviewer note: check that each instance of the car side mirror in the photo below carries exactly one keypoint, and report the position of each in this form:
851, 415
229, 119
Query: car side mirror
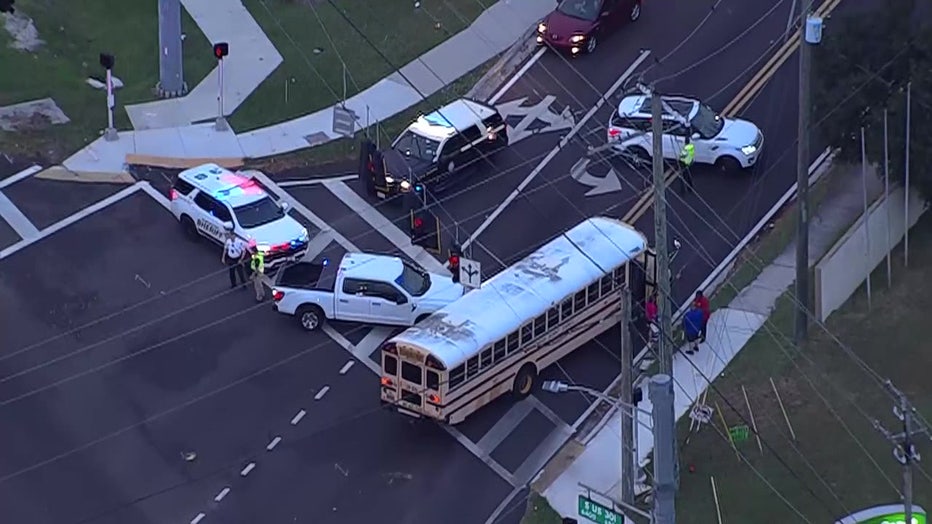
401, 299
696, 136
285, 205
228, 225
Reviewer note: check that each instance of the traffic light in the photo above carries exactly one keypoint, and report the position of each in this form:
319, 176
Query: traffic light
454, 259
221, 49
106, 60
6, 6
425, 230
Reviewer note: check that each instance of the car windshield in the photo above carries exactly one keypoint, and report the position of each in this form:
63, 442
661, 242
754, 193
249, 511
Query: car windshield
707, 122
583, 9
413, 279
417, 146
258, 213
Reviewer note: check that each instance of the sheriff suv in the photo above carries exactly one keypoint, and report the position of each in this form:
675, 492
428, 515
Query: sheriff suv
728, 143
207, 200
437, 148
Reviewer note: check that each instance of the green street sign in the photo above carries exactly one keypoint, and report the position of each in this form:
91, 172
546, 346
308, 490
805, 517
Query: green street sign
597, 512
739, 433
896, 518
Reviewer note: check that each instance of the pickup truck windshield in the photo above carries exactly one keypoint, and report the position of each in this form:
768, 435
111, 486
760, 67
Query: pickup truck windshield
414, 280
258, 213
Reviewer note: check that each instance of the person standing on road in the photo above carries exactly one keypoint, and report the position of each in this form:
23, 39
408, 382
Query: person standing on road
692, 326
702, 304
687, 156
257, 264
234, 252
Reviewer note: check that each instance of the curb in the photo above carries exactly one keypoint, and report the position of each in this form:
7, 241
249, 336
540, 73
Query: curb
510, 61
63, 174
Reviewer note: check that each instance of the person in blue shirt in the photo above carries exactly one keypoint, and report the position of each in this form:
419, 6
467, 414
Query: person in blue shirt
693, 321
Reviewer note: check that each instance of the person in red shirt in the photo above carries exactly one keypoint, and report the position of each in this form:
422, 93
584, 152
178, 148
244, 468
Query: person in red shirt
702, 303
650, 313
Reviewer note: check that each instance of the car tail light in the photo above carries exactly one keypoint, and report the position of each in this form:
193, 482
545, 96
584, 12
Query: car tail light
387, 382
277, 295
433, 399
614, 132
173, 194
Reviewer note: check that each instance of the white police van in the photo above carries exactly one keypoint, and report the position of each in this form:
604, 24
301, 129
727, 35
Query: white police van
208, 199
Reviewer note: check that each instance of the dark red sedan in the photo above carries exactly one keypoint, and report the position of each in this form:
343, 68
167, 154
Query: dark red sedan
578, 25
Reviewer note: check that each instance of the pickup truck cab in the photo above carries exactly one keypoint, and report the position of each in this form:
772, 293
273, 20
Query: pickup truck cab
363, 287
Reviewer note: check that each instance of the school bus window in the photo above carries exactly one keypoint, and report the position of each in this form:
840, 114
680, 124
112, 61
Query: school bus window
472, 368
606, 284
391, 365
579, 301
457, 376
553, 317
593, 291
527, 333
619, 276
433, 380
499, 351
486, 359
412, 373
512, 342
540, 325
566, 309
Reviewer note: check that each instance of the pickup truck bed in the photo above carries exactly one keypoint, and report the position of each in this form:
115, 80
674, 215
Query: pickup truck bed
316, 276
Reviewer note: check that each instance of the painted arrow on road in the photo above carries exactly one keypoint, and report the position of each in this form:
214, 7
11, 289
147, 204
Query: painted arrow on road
531, 113
609, 183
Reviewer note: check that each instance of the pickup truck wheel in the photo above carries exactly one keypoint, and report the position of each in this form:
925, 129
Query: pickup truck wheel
524, 381
190, 230
310, 317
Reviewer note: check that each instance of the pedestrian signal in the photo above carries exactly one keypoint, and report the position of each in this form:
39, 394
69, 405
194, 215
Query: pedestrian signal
425, 230
454, 261
221, 49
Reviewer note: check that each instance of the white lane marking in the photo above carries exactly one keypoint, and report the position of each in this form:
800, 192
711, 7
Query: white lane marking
300, 208
348, 346
297, 418
346, 367
314, 181
553, 153
249, 467
323, 391
273, 443
17, 220
158, 197
198, 518
517, 76
58, 226
25, 173
379, 223
223, 493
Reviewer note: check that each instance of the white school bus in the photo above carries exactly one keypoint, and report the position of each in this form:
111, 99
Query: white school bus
494, 340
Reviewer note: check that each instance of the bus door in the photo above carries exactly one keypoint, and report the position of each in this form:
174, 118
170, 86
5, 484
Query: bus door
642, 279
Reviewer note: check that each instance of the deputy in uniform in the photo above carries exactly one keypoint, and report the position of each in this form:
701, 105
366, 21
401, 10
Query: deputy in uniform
257, 264
234, 254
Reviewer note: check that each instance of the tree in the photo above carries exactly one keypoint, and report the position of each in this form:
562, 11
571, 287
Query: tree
861, 67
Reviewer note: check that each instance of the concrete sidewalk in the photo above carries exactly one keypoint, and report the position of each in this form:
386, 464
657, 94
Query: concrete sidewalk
253, 59
496, 29
730, 328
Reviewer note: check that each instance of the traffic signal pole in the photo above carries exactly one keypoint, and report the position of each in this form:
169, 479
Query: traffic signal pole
627, 402
221, 50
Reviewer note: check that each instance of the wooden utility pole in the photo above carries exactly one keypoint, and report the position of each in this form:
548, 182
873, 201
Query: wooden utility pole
626, 406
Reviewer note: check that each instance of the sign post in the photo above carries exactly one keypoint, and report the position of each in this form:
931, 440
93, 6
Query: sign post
221, 49
107, 62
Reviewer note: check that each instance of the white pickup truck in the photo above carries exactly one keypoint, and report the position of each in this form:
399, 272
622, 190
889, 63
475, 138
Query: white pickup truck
370, 288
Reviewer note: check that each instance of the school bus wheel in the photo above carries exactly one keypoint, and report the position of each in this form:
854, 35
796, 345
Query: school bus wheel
524, 380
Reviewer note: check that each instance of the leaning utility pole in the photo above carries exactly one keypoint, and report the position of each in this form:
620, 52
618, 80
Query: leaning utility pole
171, 67
810, 33
662, 261
904, 450
664, 492
626, 406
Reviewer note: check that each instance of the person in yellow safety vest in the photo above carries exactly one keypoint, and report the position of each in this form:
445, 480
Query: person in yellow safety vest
257, 264
687, 156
